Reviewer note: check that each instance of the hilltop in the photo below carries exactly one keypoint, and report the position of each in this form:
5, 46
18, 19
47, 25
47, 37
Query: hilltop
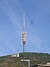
35, 58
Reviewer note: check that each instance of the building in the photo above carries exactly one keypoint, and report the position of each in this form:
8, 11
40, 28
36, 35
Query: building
15, 55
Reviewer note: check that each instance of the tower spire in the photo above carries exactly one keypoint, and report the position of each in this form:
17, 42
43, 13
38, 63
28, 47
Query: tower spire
24, 22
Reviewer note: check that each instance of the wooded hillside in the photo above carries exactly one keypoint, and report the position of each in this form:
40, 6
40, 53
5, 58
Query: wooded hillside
35, 58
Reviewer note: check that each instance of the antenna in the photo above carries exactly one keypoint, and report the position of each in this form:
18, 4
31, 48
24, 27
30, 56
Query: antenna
24, 22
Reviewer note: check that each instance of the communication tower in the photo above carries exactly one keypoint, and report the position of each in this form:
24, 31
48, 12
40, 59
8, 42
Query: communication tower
24, 38
24, 33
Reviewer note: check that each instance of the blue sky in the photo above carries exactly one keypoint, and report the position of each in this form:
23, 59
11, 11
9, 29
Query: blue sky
37, 14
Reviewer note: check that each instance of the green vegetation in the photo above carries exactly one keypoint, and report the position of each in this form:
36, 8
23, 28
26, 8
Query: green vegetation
35, 58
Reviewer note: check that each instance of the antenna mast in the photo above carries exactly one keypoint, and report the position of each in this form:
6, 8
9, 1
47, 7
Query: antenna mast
24, 33
24, 22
